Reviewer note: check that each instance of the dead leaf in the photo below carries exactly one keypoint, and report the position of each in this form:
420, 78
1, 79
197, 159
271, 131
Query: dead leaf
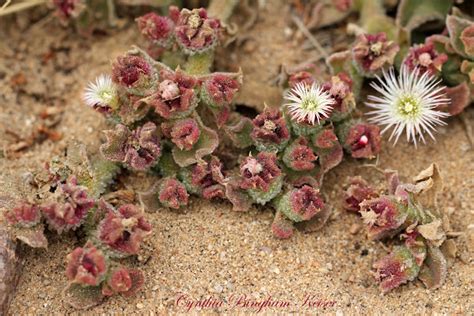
429, 183
433, 231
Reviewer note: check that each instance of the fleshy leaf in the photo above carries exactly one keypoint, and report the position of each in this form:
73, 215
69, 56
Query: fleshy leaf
457, 27
413, 13
282, 227
317, 222
238, 129
138, 279
460, 96
397, 268
83, 297
240, 200
206, 145
433, 272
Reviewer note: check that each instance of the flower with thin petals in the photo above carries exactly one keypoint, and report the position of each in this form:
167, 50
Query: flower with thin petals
101, 94
408, 102
309, 103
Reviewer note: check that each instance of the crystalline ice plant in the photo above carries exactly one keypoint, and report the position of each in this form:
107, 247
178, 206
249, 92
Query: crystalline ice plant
408, 103
309, 104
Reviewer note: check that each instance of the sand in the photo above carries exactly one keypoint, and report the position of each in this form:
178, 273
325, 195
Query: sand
207, 251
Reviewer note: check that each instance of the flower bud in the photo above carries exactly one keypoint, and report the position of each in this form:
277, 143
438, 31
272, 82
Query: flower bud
185, 133
157, 29
86, 266
384, 216
172, 193
374, 52
175, 97
357, 191
397, 268
70, 208
123, 230
270, 131
425, 58
219, 90
299, 156
195, 31
300, 204
138, 149
131, 71
363, 140
261, 177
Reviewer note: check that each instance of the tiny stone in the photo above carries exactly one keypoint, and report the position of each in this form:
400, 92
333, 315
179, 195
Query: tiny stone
140, 305
218, 288
250, 46
355, 228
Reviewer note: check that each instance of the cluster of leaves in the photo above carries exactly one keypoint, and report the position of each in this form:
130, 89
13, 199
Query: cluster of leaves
288, 158
408, 213
65, 197
177, 123
383, 42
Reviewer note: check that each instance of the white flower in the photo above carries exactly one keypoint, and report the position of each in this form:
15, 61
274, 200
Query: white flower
408, 103
101, 93
309, 103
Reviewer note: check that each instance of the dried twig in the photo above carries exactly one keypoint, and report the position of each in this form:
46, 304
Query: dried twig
310, 36
17, 7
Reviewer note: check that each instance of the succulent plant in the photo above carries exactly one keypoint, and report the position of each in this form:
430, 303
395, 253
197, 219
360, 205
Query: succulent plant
123, 229
138, 149
86, 266
408, 211
69, 206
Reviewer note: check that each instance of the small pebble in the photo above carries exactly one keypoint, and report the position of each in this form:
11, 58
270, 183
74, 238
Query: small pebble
355, 228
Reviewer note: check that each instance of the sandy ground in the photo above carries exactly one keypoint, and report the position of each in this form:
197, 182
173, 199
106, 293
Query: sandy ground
207, 251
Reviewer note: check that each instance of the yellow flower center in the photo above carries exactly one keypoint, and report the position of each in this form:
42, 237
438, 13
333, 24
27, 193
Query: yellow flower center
408, 106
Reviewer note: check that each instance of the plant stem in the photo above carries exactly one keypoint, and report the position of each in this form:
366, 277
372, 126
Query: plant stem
199, 64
